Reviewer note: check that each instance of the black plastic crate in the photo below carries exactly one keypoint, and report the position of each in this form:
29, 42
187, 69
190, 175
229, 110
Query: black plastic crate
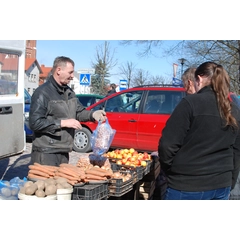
138, 169
117, 187
90, 192
118, 190
146, 169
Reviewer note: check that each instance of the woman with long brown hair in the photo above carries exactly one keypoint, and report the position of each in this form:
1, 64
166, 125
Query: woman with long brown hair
199, 149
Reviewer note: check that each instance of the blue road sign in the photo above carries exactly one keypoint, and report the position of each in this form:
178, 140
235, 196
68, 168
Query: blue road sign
122, 85
177, 81
85, 79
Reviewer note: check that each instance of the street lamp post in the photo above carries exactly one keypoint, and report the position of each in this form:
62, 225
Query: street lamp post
182, 61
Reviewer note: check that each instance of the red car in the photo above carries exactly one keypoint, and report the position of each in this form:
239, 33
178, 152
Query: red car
137, 114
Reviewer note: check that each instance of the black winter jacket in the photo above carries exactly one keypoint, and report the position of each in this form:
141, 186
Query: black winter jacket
49, 105
195, 150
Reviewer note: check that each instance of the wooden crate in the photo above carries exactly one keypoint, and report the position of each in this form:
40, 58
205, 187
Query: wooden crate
146, 190
153, 174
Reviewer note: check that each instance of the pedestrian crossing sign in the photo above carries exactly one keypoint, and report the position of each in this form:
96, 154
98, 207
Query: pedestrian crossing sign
85, 79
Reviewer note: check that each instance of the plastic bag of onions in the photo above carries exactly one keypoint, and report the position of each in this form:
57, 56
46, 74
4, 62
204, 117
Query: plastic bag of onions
102, 137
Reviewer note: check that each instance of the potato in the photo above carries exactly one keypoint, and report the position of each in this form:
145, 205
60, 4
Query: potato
40, 193
40, 184
61, 180
59, 186
50, 181
28, 183
22, 190
30, 190
51, 190
66, 185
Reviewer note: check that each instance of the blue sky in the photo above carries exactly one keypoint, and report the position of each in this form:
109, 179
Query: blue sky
83, 52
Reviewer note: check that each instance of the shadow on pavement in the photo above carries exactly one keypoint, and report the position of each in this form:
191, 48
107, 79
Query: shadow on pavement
19, 168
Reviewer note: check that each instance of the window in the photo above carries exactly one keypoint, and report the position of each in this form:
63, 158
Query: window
126, 102
162, 101
9, 75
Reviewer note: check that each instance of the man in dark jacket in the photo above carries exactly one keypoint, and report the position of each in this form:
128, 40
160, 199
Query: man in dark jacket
54, 115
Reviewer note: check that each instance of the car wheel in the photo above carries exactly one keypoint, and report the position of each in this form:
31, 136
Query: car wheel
81, 141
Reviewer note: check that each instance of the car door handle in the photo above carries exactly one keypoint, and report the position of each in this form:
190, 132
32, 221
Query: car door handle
6, 110
132, 120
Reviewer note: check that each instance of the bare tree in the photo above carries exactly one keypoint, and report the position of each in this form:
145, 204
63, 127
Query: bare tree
104, 62
141, 77
158, 80
127, 70
224, 52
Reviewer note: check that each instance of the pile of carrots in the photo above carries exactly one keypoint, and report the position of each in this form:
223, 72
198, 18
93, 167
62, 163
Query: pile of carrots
73, 174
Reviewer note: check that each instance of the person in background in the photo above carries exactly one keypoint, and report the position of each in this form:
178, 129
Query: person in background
54, 115
188, 80
111, 89
199, 149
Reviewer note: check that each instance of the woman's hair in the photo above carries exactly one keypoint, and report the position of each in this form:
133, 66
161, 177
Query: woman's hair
219, 80
61, 62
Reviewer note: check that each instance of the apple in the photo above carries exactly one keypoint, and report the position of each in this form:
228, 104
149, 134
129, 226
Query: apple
119, 156
119, 162
126, 150
124, 160
135, 153
137, 162
145, 155
131, 150
117, 151
111, 154
128, 163
143, 163
121, 152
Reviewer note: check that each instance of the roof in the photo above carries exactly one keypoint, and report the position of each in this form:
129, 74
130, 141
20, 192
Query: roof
29, 62
45, 71
10, 64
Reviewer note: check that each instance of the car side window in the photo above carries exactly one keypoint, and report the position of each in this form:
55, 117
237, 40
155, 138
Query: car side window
162, 102
126, 102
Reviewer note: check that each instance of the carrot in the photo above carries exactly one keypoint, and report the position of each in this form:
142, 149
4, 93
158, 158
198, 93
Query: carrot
40, 173
40, 168
31, 175
68, 171
76, 169
72, 182
60, 174
106, 172
91, 176
94, 172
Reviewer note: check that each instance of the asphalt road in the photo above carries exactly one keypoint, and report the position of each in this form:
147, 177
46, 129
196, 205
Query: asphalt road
17, 166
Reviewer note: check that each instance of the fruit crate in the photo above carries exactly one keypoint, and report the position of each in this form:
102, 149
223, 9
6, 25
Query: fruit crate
146, 169
117, 187
138, 169
90, 192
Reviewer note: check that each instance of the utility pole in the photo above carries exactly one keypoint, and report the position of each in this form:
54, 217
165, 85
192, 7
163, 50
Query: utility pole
182, 61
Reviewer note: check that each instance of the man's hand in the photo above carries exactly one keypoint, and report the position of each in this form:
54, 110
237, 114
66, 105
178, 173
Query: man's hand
71, 123
99, 115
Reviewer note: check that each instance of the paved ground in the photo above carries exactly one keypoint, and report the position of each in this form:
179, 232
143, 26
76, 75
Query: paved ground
17, 166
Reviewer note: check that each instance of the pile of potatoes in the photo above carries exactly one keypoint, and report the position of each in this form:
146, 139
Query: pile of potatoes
44, 188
